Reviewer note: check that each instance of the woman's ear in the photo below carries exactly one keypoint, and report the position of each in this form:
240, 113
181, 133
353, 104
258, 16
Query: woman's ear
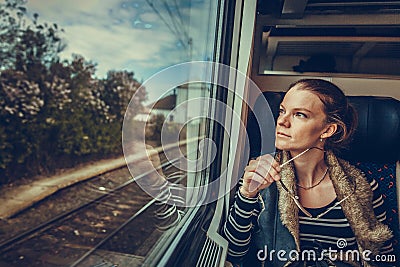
329, 130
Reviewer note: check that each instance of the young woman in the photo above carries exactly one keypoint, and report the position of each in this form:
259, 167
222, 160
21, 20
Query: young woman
305, 206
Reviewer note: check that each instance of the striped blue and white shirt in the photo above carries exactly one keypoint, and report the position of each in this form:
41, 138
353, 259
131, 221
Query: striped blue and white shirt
324, 232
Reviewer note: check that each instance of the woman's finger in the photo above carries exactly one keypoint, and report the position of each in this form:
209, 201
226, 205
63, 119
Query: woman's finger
259, 168
249, 176
270, 161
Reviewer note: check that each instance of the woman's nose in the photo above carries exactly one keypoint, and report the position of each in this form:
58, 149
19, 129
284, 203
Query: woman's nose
283, 120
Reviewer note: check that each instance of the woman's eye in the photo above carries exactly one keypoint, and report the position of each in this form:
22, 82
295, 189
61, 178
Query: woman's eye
281, 111
300, 115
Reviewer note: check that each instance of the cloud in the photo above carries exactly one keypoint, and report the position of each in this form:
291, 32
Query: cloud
71, 11
114, 47
105, 32
130, 35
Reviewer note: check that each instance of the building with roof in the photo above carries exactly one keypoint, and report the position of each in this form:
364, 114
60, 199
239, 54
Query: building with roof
174, 106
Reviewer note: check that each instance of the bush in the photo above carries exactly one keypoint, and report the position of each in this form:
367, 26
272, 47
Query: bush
53, 113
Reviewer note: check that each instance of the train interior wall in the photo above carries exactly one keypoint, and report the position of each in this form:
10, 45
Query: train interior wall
351, 86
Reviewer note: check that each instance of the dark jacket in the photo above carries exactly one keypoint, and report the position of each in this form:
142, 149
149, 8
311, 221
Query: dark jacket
279, 221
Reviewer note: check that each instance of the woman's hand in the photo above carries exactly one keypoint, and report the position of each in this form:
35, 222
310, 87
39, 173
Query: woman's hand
259, 174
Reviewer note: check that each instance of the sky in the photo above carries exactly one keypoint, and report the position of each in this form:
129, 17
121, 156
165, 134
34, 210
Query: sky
131, 35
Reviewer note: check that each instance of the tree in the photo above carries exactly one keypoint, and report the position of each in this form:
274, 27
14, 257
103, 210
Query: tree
118, 89
52, 111
20, 102
19, 97
24, 42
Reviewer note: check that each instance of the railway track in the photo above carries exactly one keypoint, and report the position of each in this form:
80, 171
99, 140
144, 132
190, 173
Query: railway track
118, 221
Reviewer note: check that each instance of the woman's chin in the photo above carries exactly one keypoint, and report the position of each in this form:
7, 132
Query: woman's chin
281, 146
288, 147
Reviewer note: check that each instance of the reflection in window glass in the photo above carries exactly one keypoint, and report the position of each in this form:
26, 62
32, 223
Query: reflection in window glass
68, 72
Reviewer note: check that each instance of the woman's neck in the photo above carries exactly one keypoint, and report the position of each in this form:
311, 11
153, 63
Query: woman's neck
309, 167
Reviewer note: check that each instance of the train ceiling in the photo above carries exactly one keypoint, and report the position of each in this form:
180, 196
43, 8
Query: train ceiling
298, 8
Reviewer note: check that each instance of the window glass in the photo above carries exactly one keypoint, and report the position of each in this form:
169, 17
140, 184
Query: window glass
73, 75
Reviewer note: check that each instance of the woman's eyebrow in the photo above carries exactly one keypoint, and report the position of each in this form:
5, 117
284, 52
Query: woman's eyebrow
297, 109
303, 109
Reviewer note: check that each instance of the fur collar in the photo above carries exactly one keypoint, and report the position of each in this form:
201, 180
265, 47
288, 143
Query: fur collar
347, 180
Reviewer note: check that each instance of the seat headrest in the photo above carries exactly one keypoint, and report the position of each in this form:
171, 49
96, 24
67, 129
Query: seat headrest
377, 137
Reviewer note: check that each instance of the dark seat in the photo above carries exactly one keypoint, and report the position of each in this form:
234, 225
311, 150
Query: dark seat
375, 148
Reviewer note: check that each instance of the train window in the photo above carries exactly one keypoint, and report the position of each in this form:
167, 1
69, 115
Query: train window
120, 50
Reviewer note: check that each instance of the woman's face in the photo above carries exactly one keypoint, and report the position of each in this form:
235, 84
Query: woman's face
301, 121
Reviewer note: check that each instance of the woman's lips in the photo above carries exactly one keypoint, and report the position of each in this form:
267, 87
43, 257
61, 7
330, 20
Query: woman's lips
282, 134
